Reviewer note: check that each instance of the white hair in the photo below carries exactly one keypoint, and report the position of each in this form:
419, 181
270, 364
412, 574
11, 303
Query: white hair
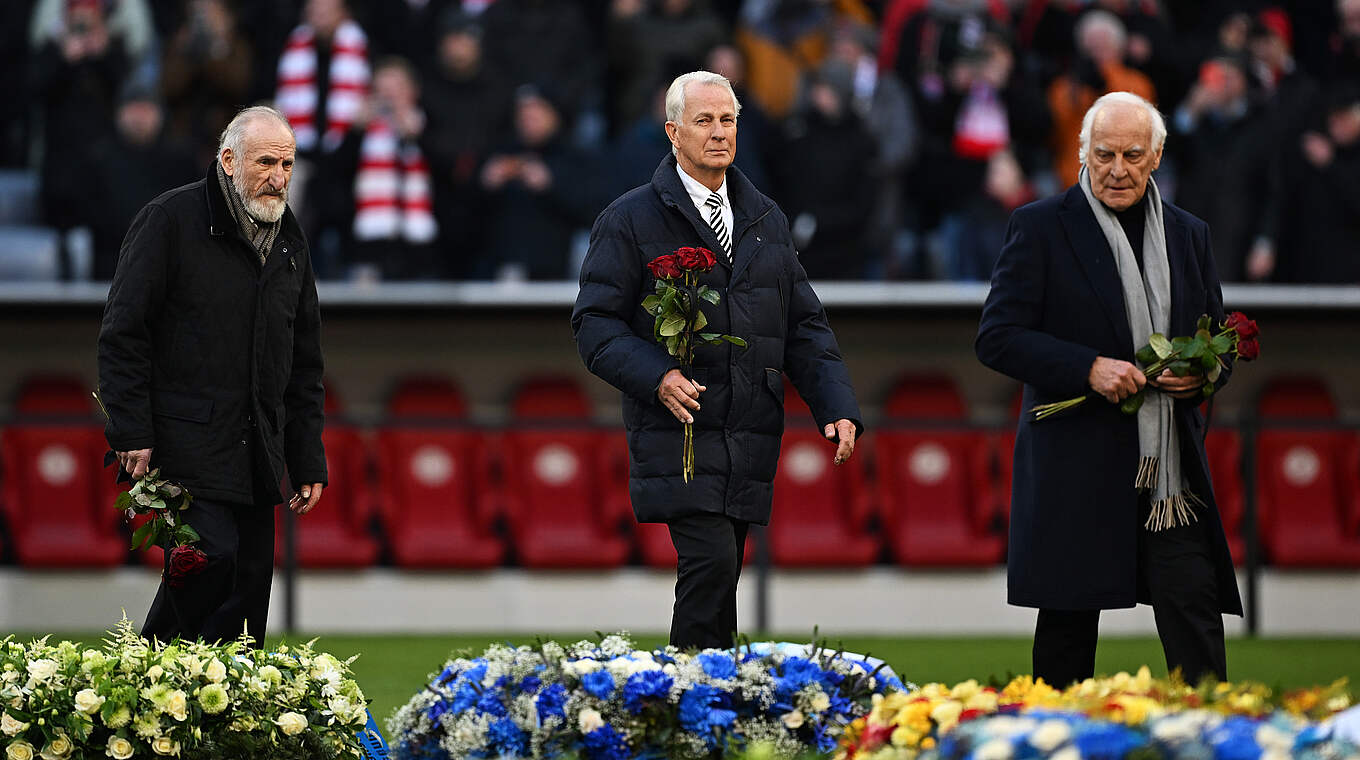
1126, 98
1098, 19
233, 137
675, 94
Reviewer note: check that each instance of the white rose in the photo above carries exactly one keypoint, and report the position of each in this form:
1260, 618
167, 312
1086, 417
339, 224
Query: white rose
582, 667
88, 702
590, 720
9, 676
1066, 753
1050, 735
59, 748
291, 723
177, 705
164, 745
217, 671
20, 750
119, 748
995, 749
41, 670
793, 719
11, 726
154, 673
821, 702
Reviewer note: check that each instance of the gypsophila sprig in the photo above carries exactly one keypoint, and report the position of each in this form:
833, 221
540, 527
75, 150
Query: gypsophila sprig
607, 699
129, 699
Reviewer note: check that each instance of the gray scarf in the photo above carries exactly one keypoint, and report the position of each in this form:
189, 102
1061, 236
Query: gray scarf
1147, 304
260, 234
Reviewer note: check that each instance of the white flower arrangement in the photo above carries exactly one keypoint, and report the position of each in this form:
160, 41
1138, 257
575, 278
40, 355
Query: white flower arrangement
130, 700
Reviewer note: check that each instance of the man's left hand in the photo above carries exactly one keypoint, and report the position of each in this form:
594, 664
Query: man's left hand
1177, 387
844, 431
306, 498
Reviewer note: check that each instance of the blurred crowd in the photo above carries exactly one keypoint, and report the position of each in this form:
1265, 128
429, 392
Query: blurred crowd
478, 139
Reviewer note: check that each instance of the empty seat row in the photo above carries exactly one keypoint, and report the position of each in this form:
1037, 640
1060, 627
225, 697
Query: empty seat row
427, 489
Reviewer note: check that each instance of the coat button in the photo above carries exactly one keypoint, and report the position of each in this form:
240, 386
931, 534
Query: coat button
285, 249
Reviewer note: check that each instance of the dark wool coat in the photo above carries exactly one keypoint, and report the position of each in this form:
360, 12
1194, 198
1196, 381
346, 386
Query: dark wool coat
209, 358
1055, 305
766, 299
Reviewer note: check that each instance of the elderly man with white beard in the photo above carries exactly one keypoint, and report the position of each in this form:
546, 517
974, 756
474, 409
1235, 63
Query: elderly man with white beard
210, 370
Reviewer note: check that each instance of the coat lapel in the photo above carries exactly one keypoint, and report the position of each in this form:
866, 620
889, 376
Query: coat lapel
1097, 261
748, 207
1177, 256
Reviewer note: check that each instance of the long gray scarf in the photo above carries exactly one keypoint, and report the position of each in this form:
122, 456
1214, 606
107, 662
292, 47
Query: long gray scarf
260, 234
1147, 304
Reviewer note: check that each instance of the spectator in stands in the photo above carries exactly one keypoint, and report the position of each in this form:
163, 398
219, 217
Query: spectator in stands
210, 370
1225, 149
1319, 238
647, 40
768, 301
1346, 43
76, 77
541, 190
323, 80
785, 39
547, 42
407, 29
469, 104
1127, 498
757, 128
1099, 68
394, 229
130, 22
830, 190
208, 69
137, 164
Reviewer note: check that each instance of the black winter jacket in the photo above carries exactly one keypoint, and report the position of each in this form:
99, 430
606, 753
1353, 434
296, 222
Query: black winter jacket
766, 299
209, 358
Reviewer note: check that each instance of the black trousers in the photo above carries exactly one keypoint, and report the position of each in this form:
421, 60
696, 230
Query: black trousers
232, 592
1176, 572
710, 549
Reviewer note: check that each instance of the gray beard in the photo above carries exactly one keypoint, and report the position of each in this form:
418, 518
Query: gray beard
260, 209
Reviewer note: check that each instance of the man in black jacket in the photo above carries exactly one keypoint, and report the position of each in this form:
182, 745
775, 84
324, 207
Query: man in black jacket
210, 369
766, 299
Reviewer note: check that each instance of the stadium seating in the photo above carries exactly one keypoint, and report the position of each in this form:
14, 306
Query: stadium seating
1223, 446
930, 483
1307, 479
335, 533
820, 510
432, 480
562, 511
52, 458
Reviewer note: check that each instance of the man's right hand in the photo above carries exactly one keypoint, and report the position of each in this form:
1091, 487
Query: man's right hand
679, 395
135, 462
1114, 379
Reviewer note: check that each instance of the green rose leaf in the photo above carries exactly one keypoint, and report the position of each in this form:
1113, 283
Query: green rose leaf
186, 534
1208, 361
1221, 344
1214, 373
673, 345
1132, 404
700, 320
650, 303
1180, 367
143, 535
710, 295
710, 337
661, 286
1207, 389
734, 340
1160, 345
1195, 348
1205, 322
123, 502
672, 327
1146, 355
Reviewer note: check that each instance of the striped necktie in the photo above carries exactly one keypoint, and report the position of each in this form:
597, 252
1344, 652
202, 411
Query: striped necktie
715, 220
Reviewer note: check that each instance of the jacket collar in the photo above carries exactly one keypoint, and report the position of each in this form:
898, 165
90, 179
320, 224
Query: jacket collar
749, 205
221, 222
1097, 260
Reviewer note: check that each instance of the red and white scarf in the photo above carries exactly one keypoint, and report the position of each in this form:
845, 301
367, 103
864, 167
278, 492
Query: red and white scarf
349, 75
392, 189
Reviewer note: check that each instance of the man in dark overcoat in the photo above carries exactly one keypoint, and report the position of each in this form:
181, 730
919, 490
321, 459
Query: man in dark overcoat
1081, 277
735, 396
210, 369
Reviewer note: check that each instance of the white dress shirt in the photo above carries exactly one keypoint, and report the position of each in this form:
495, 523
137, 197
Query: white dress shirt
698, 193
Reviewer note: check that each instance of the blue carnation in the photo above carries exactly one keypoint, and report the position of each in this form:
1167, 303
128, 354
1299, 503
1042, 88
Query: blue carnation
696, 708
598, 684
437, 709
506, 738
718, 665
465, 695
530, 684
797, 673
1107, 741
1235, 739
490, 703
551, 700
606, 743
640, 686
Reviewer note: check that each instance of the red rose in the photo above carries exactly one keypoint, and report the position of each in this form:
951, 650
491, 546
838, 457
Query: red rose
700, 259
1248, 348
1247, 329
665, 266
185, 561
1234, 319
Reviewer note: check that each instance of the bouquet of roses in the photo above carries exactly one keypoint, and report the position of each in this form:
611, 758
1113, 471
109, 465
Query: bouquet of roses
1201, 353
679, 321
163, 500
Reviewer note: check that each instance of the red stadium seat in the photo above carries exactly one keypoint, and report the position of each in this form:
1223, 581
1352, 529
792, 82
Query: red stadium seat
1223, 446
1307, 485
434, 477
929, 482
820, 509
52, 459
557, 483
335, 533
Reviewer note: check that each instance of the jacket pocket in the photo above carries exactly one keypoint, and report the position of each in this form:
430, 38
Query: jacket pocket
181, 407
